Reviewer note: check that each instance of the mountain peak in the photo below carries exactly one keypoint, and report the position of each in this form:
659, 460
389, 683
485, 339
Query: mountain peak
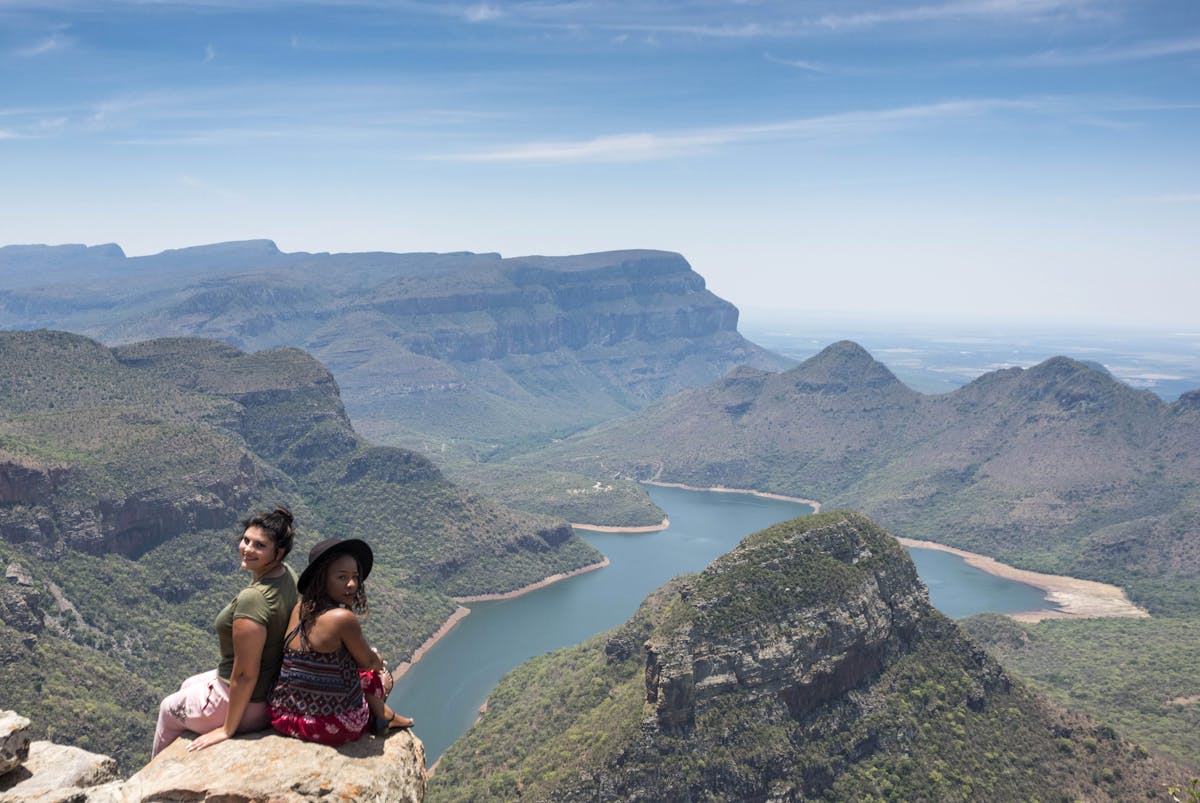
841, 367
259, 246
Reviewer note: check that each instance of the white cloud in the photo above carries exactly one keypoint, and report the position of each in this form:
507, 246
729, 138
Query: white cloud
800, 64
210, 53
1138, 51
50, 44
483, 12
646, 146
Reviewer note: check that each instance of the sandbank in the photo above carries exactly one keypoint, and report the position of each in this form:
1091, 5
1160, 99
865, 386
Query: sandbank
604, 528
721, 489
1077, 599
554, 578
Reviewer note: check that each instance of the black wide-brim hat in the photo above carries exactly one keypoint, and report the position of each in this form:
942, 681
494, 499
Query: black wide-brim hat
329, 549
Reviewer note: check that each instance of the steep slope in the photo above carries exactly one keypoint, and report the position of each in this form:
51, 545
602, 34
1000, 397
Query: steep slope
805, 664
122, 475
459, 346
1058, 467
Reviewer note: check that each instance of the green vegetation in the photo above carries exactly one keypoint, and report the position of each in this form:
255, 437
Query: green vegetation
574, 497
124, 474
939, 720
1137, 674
464, 347
1057, 468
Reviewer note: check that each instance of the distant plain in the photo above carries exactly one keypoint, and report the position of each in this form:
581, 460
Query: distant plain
937, 357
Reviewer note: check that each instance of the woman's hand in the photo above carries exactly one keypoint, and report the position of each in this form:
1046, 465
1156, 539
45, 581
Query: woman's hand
214, 736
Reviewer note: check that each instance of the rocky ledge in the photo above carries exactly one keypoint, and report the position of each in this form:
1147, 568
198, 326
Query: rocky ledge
258, 767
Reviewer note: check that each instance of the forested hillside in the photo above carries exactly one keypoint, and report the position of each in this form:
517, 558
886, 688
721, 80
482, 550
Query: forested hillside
1058, 467
805, 664
123, 473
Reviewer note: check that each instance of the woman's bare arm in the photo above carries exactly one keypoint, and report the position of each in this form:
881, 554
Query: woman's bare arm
249, 638
349, 630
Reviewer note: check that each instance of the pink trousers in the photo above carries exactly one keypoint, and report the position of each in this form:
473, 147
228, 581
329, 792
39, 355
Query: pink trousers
199, 706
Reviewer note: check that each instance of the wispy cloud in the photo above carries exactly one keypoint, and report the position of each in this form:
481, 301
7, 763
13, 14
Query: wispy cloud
205, 187
210, 53
1018, 10
799, 64
50, 44
649, 146
1138, 51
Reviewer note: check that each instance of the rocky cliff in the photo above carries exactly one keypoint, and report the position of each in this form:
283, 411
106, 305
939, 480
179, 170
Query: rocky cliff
805, 664
463, 346
249, 769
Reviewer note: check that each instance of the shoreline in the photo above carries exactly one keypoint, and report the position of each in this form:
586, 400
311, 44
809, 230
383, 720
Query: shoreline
1076, 598
459, 614
554, 578
604, 528
721, 489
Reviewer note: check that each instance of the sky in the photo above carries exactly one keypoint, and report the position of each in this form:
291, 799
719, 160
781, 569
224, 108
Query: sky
959, 160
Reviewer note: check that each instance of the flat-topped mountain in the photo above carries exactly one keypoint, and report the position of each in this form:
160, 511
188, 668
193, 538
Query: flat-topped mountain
1058, 467
462, 346
805, 664
123, 472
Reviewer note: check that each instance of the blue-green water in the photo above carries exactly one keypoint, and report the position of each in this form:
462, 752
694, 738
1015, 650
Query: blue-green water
445, 690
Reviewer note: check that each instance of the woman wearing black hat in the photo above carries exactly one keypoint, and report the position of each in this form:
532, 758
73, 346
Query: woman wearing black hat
331, 682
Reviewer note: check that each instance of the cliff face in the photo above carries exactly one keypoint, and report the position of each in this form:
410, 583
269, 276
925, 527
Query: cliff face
539, 305
771, 646
805, 664
466, 346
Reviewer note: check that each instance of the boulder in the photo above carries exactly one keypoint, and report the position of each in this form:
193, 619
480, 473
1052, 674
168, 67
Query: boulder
14, 740
56, 772
269, 767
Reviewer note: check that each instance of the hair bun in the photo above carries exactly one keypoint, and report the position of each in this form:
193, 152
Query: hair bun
284, 513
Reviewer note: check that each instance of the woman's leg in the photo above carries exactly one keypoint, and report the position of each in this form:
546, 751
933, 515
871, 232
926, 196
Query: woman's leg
373, 690
199, 706
187, 709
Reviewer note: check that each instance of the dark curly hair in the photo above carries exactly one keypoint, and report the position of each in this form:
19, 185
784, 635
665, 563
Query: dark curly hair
317, 600
277, 525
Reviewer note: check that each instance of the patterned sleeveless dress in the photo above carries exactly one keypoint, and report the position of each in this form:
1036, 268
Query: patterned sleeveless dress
319, 695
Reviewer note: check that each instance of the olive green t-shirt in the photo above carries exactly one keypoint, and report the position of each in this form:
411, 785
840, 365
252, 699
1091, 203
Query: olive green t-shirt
268, 602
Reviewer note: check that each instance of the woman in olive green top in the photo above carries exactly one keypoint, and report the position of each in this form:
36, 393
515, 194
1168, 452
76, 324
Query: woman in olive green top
232, 698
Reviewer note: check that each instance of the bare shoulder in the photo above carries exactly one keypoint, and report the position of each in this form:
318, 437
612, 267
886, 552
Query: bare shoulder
341, 619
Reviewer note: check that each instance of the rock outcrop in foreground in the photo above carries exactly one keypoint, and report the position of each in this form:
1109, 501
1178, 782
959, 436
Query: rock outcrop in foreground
268, 766
805, 664
255, 768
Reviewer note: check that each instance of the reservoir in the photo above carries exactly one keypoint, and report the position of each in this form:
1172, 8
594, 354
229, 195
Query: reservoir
444, 691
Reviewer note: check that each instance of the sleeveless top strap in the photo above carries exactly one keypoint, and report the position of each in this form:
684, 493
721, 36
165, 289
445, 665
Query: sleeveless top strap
287, 639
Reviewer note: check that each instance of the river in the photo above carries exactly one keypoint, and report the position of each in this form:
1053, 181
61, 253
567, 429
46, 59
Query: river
444, 691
